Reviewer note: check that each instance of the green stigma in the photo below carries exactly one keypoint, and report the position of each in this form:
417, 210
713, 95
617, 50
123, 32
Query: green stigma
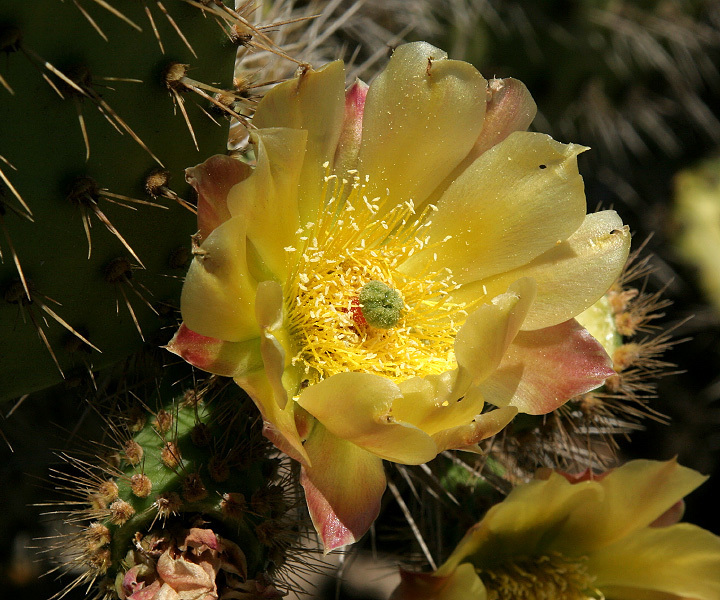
380, 304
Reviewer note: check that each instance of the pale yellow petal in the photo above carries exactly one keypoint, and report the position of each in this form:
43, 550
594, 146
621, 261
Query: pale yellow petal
423, 113
467, 436
284, 427
218, 298
683, 560
314, 101
483, 339
268, 199
343, 488
633, 496
357, 407
525, 523
571, 276
516, 201
436, 402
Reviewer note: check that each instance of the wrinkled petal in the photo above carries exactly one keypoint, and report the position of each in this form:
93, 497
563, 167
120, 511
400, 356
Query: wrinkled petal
348, 147
571, 276
228, 359
212, 180
343, 488
488, 331
146, 593
185, 577
166, 592
200, 539
423, 113
285, 423
314, 102
542, 369
442, 402
513, 203
268, 199
461, 584
269, 314
366, 417
633, 496
232, 559
683, 560
358, 407
218, 297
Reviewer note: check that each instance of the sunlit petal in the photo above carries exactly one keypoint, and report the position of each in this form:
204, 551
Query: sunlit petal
542, 369
315, 103
358, 407
216, 356
488, 331
268, 199
218, 298
212, 180
516, 201
343, 488
425, 102
571, 276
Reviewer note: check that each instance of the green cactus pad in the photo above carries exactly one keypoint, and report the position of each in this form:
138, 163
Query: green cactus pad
57, 189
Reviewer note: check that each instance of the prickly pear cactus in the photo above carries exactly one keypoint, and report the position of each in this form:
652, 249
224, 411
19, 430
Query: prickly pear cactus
102, 109
187, 488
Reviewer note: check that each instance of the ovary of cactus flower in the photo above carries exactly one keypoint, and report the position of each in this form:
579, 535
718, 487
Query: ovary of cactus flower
613, 536
372, 312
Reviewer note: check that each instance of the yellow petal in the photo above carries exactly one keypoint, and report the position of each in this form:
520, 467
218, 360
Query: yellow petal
286, 427
436, 402
422, 115
343, 488
358, 407
268, 199
466, 437
216, 356
314, 101
509, 108
511, 205
525, 523
483, 339
543, 369
682, 560
571, 276
634, 495
218, 297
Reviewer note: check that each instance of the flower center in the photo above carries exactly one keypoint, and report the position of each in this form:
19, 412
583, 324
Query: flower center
549, 577
348, 305
380, 304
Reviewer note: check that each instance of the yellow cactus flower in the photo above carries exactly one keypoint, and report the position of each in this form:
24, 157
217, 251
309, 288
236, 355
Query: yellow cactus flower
399, 257
610, 537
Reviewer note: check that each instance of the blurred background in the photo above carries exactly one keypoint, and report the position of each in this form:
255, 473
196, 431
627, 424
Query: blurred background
636, 81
